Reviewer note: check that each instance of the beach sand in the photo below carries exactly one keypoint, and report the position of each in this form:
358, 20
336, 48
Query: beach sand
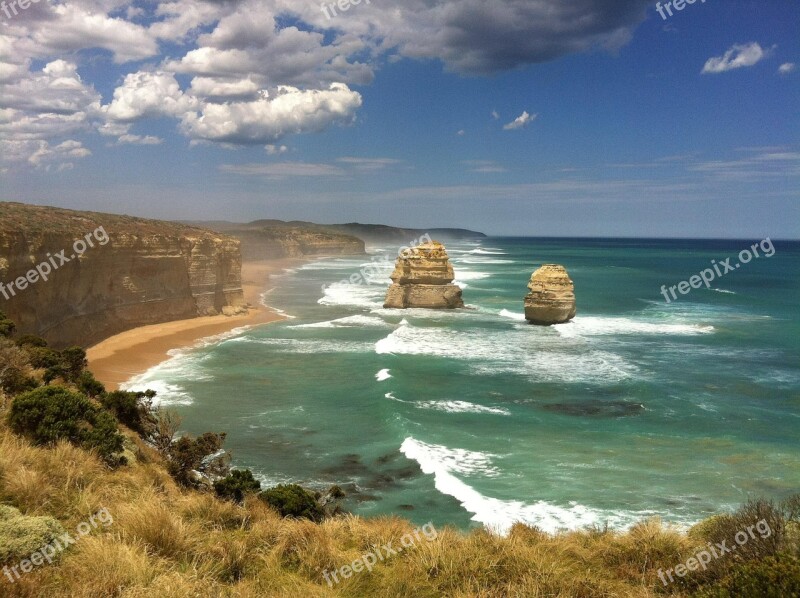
120, 357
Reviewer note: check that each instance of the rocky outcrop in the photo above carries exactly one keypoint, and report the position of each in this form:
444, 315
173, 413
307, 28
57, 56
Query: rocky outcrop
423, 277
125, 272
552, 296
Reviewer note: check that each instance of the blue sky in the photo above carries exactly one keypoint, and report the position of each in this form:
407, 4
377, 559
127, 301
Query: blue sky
589, 118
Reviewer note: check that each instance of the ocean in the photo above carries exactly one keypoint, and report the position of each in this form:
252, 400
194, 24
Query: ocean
472, 417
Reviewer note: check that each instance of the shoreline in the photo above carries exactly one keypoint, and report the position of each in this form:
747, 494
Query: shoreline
117, 359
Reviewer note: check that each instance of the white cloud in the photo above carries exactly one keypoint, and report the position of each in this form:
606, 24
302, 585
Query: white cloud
523, 120
787, 68
369, 163
485, 166
139, 139
738, 56
145, 94
268, 119
58, 156
495, 115
461, 132
275, 150
282, 170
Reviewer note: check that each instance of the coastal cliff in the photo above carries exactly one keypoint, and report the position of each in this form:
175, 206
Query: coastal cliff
423, 277
109, 273
274, 239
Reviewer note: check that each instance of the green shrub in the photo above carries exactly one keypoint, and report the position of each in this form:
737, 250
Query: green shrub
238, 483
73, 361
186, 454
773, 577
7, 327
53, 413
89, 385
30, 340
291, 500
21, 536
134, 409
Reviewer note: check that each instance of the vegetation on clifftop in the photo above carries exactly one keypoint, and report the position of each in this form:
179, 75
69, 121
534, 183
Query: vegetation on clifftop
176, 536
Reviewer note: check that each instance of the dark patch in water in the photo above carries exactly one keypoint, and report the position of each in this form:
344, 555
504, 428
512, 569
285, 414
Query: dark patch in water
406, 507
349, 466
384, 459
591, 408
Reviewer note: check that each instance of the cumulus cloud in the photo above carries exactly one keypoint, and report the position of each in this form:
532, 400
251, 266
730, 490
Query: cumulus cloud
267, 119
254, 71
738, 56
786, 68
523, 120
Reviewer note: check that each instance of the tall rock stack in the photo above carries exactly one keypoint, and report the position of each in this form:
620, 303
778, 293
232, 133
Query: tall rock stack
423, 277
552, 296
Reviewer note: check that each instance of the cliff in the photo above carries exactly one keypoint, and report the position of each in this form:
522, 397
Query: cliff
272, 239
551, 299
100, 274
422, 278
269, 239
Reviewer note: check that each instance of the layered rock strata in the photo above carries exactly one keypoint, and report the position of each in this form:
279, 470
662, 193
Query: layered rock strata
423, 277
551, 299
136, 272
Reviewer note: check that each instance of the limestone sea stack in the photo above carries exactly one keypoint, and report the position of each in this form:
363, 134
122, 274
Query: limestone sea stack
423, 277
552, 296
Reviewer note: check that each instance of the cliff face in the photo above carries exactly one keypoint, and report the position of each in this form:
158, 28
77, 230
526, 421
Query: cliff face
552, 296
273, 239
109, 273
422, 278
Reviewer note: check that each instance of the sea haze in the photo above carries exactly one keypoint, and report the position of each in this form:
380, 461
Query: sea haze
473, 417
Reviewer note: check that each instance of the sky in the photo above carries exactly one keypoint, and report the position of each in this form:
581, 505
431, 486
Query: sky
513, 117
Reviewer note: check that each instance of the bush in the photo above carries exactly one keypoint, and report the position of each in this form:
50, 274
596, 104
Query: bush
134, 409
73, 360
14, 369
49, 414
20, 535
7, 327
186, 454
291, 500
30, 340
236, 485
773, 577
90, 386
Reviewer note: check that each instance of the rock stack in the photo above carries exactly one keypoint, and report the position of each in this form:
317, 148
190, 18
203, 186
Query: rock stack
552, 296
423, 277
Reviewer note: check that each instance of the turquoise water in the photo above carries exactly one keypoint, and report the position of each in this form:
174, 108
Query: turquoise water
474, 417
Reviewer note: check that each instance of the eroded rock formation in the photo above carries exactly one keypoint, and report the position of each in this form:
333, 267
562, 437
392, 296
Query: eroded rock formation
551, 299
423, 277
138, 272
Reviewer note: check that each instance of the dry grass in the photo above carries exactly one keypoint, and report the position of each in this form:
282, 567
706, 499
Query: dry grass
167, 542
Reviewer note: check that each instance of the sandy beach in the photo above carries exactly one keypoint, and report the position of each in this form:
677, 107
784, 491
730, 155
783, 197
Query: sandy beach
118, 358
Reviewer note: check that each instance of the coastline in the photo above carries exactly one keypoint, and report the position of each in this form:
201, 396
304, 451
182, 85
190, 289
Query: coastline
122, 356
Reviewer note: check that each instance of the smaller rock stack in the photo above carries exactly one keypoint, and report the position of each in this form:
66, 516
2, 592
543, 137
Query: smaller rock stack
423, 277
552, 296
